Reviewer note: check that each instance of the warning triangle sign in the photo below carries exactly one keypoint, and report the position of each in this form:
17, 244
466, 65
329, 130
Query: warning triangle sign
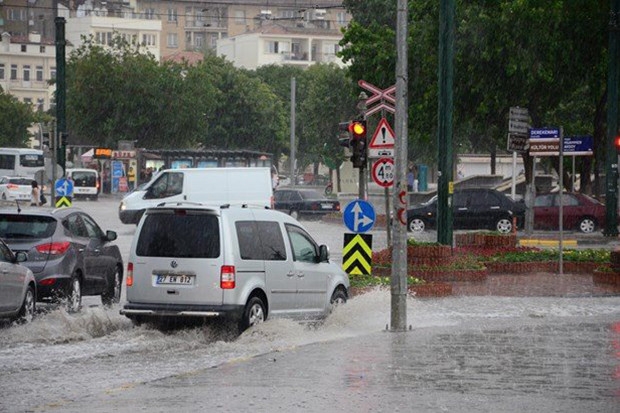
383, 136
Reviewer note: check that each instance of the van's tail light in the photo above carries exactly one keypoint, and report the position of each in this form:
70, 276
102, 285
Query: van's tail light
227, 277
11, 186
273, 202
129, 278
53, 248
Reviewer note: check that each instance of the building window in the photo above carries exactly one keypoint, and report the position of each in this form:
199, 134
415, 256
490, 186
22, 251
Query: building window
28, 101
240, 16
341, 18
40, 104
273, 47
41, 49
17, 14
148, 39
23, 48
1, 71
172, 15
39, 74
53, 73
173, 40
13, 72
288, 14
26, 73
149, 14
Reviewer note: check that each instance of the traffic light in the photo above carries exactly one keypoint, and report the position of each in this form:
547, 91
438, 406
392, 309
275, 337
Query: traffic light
617, 143
344, 134
358, 143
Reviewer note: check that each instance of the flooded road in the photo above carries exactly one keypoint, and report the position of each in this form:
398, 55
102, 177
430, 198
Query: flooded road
484, 353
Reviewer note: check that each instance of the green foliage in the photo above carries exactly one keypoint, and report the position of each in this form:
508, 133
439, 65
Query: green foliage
362, 281
586, 255
15, 118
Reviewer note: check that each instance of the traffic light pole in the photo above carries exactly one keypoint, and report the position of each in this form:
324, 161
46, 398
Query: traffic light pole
611, 164
61, 93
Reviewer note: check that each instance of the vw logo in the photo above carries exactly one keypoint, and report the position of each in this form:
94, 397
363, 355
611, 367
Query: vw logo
173, 264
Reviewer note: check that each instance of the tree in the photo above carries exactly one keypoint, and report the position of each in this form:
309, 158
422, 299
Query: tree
15, 119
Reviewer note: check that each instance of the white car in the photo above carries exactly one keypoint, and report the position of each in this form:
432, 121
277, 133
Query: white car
18, 289
15, 188
242, 263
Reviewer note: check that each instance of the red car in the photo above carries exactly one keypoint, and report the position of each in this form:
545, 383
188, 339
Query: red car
579, 212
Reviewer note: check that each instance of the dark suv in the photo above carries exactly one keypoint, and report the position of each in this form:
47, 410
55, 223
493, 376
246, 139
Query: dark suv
472, 208
68, 253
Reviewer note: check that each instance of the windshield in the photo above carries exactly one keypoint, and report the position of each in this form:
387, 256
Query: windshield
26, 226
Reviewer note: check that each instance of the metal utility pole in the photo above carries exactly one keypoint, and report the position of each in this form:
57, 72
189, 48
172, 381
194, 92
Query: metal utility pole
61, 93
293, 147
399, 228
611, 164
444, 130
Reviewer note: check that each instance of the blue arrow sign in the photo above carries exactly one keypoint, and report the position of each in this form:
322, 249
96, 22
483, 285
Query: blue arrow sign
64, 187
359, 216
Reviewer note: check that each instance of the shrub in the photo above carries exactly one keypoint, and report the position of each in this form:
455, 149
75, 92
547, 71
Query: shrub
361, 281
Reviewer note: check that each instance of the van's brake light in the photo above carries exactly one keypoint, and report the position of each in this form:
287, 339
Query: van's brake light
227, 277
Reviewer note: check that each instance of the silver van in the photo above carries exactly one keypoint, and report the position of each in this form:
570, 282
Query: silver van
234, 262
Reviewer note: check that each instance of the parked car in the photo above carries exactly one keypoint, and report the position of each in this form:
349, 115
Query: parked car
304, 202
579, 212
15, 188
472, 208
18, 288
242, 263
68, 253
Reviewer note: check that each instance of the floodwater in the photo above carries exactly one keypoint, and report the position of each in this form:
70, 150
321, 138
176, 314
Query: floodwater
61, 360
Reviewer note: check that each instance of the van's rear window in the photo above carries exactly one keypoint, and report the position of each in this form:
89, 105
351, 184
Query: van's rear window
179, 235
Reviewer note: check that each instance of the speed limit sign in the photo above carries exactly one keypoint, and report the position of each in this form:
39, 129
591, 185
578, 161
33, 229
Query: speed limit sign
383, 172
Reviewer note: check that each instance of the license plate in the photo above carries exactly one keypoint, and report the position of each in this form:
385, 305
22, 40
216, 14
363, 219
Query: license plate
174, 280
326, 206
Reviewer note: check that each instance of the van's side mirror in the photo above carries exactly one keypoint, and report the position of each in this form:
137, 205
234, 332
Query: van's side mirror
21, 256
323, 253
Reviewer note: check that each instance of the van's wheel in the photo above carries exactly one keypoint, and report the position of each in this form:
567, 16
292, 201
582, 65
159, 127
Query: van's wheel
294, 214
113, 293
253, 314
339, 297
26, 313
74, 295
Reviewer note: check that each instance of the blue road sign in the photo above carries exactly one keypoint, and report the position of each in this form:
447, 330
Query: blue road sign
578, 145
545, 133
359, 216
64, 187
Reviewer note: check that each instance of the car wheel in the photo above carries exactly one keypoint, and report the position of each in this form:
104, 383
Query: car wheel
74, 296
254, 313
587, 225
294, 214
26, 312
113, 294
504, 226
416, 225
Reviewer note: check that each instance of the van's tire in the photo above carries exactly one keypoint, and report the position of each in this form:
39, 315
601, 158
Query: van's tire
74, 294
113, 294
254, 313
339, 297
26, 312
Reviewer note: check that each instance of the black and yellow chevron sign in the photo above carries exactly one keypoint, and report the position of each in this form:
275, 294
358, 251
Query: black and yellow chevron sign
357, 254
63, 201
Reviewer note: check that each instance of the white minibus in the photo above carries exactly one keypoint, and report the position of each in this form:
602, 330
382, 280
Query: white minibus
24, 162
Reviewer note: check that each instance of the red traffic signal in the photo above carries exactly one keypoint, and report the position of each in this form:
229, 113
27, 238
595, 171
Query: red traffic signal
617, 143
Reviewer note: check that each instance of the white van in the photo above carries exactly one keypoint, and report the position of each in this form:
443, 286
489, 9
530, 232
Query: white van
85, 182
245, 264
210, 186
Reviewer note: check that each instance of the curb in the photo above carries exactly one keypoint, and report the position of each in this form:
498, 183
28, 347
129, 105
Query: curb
547, 243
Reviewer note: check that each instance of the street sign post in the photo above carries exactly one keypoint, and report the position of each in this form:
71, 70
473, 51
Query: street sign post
544, 142
359, 216
383, 172
382, 141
